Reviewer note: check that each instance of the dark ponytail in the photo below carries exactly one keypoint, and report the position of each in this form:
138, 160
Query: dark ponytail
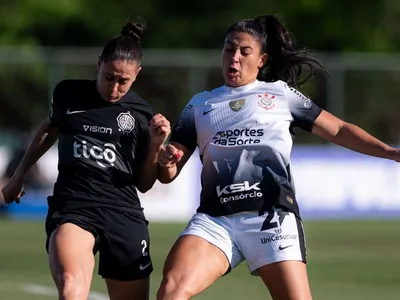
126, 46
286, 61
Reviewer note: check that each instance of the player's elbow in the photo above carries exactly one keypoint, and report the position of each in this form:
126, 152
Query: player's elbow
142, 190
144, 187
165, 180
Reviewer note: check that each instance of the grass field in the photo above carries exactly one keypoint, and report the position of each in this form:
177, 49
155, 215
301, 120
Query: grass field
351, 260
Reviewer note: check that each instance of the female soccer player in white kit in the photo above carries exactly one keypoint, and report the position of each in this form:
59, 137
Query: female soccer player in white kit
248, 208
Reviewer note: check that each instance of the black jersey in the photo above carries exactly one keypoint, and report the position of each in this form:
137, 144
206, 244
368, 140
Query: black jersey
101, 146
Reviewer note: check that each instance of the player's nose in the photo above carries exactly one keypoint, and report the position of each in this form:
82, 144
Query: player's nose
114, 87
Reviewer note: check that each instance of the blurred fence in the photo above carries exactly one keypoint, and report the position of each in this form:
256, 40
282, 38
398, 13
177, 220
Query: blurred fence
362, 88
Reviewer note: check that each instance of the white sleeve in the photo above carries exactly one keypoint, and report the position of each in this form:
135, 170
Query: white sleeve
302, 108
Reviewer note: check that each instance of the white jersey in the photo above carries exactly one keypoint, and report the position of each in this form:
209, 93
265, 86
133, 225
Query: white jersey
244, 136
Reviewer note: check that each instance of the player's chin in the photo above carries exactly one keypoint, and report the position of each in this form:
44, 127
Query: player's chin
112, 98
233, 81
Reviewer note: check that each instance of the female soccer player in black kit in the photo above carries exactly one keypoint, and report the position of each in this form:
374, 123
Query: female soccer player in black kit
109, 139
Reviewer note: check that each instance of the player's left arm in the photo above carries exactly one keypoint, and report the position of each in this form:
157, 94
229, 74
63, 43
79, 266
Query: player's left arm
348, 135
155, 135
310, 117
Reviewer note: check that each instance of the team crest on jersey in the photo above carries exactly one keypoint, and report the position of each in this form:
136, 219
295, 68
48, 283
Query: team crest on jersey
236, 105
266, 101
125, 122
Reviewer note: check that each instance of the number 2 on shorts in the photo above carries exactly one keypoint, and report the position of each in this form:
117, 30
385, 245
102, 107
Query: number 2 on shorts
144, 244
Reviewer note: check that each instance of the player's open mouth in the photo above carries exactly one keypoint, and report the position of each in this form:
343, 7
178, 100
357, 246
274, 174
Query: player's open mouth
233, 71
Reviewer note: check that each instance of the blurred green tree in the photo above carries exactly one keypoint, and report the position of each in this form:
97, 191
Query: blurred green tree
322, 25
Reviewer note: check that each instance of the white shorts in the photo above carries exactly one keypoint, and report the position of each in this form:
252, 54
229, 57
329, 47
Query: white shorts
260, 240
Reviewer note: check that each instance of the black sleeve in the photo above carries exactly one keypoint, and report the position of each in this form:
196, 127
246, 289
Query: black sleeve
57, 110
184, 131
303, 109
143, 143
146, 113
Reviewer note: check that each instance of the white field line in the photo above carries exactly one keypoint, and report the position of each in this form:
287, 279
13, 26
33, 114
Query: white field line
43, 290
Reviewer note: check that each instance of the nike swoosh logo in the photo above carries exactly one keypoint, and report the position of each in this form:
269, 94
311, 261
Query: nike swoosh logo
144, 267
207, 111
71, 112
283, 248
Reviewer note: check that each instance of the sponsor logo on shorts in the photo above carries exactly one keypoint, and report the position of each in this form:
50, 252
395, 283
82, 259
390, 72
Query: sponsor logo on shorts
284, 247
143, 267
245, 189
279, 237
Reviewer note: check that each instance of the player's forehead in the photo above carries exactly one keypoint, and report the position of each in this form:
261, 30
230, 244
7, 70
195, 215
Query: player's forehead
120, 67
241, 40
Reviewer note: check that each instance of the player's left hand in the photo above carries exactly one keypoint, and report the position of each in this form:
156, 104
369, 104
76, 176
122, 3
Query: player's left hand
160, 129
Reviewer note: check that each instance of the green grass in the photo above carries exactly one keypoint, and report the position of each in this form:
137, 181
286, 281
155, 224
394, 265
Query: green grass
347, 260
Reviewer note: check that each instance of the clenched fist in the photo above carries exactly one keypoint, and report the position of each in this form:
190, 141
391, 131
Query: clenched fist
169, 156
160, 129
13, 190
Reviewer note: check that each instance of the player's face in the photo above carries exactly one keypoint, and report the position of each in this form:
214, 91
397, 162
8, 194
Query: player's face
241, 59
114, 78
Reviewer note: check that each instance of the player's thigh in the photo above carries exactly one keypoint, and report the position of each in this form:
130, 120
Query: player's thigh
286, 280
128, 290
125, 247
194, 264
204, 252
71, 256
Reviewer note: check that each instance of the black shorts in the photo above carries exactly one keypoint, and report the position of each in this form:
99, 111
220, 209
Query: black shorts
122, 239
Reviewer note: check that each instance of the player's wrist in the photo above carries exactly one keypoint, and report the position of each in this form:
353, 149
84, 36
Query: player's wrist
393, 154
19, 174
156, 147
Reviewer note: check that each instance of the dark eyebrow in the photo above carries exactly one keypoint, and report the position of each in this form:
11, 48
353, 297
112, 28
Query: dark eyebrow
243, 47
112, 75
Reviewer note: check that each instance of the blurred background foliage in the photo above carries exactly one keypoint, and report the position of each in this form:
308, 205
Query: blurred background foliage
325, 26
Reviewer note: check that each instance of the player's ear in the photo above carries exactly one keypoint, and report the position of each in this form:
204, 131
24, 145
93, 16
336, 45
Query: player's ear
98, 63
137, 73
263, 60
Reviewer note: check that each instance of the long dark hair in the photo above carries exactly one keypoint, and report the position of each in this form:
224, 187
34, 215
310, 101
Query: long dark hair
286, 61
127, 45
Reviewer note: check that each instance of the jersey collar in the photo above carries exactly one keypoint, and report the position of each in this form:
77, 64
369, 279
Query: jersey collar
237, 90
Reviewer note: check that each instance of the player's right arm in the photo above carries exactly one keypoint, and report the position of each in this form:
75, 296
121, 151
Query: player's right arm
182, 143
171, 159
44, 138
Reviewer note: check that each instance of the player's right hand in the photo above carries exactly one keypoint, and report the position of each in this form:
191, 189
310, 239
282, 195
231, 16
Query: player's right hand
169, 156
13, 190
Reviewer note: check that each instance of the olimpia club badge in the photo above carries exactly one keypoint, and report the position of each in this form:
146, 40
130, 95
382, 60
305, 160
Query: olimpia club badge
125, 122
